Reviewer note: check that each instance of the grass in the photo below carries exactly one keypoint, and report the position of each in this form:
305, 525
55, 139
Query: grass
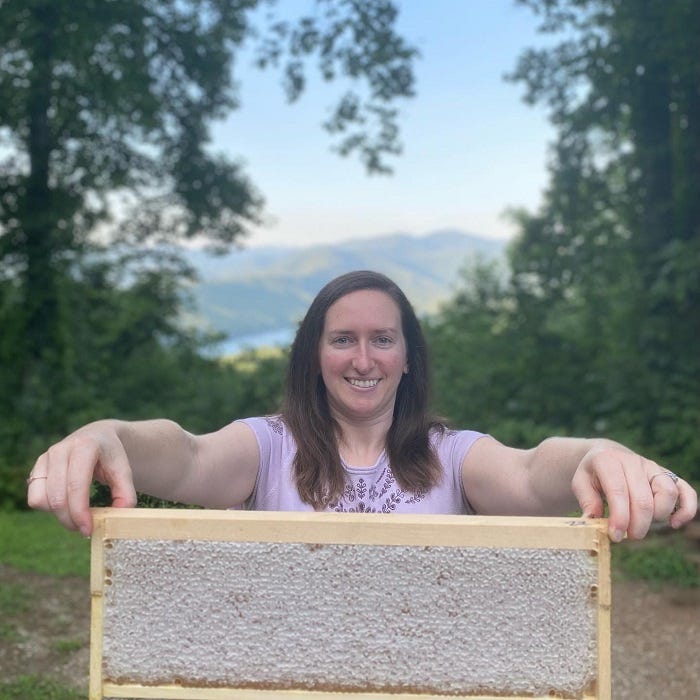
33, 541
8, 633
658, 561
13, 601
65, 646
35, 688
36, 542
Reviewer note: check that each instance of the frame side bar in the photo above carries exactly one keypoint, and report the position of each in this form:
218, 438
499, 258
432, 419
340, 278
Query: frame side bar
97, 577
604, 617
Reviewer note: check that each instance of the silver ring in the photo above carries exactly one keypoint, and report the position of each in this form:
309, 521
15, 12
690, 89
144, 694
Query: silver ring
665, 472
34, 478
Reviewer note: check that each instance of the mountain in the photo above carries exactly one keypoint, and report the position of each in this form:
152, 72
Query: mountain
267, 290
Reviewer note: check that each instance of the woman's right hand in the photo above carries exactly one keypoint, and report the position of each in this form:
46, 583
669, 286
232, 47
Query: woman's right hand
61, 478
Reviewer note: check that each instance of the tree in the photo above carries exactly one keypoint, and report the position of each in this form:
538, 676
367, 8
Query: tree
618, 235
105, 110
595, 326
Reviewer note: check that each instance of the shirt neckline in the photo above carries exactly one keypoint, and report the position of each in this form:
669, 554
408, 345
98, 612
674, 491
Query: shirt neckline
351, 468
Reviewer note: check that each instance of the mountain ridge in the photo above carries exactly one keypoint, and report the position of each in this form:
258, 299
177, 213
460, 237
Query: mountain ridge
263, 290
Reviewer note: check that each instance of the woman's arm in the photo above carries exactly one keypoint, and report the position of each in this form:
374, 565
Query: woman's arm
563, 474
156, 457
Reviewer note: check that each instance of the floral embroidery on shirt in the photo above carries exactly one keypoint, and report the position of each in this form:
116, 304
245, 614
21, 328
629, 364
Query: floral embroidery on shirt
383, 496
275, 424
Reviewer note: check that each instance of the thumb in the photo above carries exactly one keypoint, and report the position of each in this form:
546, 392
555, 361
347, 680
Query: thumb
116, 474
123, 495
588, 496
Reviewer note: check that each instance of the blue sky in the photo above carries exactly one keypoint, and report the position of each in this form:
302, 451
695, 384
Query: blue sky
472, 148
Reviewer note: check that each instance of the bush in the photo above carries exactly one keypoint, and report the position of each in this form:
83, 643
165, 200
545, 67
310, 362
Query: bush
13, 487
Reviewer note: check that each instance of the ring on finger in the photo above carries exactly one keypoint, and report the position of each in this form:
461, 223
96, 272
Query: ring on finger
35, 478
666, 472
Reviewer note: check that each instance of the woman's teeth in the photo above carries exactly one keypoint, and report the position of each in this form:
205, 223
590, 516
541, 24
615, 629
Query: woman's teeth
364, 383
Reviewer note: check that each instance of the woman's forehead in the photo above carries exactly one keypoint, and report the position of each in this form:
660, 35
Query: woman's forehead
366, 307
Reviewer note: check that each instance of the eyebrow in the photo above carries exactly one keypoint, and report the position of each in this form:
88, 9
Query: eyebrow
333, 331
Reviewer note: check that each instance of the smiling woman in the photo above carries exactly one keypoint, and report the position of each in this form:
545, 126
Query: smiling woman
355, 434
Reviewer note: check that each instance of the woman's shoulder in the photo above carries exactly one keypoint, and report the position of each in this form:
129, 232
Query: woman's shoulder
446, 439
272, 433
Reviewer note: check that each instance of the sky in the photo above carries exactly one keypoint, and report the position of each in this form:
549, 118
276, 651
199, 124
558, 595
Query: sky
472, 148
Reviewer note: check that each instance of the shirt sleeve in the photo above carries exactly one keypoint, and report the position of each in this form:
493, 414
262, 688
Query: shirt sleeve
452, 447
277, 449
261, 427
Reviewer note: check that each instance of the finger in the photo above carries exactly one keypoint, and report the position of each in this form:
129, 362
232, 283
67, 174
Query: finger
82, 462
607, 476
666, 493
588, 494
36, 485
687, 505
57, 465
642, 504
86, 458
117, 474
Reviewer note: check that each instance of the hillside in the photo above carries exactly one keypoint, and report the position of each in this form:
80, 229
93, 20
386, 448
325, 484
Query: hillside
259, 291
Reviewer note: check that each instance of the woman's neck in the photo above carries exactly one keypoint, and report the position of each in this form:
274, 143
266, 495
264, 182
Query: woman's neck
361, 445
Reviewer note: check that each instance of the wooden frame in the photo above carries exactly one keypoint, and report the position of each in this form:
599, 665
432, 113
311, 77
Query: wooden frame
348, 538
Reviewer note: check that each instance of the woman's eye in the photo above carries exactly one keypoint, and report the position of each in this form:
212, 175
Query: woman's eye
341, 340
383, 340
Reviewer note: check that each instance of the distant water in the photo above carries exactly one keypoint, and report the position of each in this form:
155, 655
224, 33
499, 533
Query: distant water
281, 337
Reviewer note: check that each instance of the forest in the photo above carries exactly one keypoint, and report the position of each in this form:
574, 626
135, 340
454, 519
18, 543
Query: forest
591, 327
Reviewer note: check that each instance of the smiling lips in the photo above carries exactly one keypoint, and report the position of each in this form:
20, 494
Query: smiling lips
363, 383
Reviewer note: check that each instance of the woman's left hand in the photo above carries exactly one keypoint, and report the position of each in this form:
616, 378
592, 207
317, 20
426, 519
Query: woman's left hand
637, 490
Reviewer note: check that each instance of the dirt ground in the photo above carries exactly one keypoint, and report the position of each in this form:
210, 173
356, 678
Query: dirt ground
655, 636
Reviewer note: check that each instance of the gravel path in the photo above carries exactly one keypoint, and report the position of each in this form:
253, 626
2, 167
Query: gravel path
655, 643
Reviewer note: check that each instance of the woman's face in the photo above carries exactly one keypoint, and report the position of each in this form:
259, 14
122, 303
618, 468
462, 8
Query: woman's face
363, 355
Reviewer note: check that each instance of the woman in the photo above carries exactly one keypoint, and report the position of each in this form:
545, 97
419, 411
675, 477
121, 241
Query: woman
354, 434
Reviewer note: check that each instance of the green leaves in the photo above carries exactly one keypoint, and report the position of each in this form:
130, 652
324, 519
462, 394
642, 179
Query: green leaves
357, 42
596, 327
105, 115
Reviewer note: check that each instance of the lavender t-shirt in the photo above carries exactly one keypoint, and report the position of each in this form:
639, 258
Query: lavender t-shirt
368, 489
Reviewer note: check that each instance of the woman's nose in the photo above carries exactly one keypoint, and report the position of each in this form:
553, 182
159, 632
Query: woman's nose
362, 359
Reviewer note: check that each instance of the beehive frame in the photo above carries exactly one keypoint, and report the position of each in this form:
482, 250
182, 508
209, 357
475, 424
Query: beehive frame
444, 561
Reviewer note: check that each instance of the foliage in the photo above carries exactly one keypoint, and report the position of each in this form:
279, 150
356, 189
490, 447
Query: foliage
619, 232
594, 328
36, 542
151, 378
484, 374
105, 161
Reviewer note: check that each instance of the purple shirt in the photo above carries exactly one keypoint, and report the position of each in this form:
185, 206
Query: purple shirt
368, 489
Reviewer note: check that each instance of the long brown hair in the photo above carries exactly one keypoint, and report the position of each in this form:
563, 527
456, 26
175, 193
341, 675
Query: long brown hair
317, 468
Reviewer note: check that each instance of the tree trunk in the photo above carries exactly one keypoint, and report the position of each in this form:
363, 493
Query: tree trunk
45, 351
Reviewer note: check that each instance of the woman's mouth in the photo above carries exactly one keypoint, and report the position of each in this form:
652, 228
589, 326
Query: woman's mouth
362, 383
